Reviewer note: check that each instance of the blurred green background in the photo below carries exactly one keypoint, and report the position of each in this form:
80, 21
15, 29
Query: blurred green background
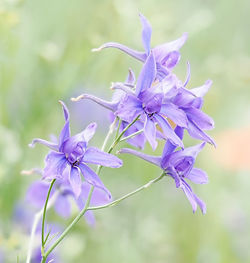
45, 56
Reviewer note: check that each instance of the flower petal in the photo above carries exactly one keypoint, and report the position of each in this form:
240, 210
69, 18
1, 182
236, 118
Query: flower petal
92, 178
129, 108
201, 91
150, 133
197, 176
168, 131
195, 132
177, 115
95, 156
75, 181
202, 120
89, 131
110, 105
37, 192
146, 33
189, 194
51, 145
162, 50
65, 133
55, 163
147, 74
200, 203
156, 160
133, 53
131, 77
62, 206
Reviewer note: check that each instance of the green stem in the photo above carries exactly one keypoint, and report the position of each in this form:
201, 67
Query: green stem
65, 232
86, 207
131, 135
118, 128
117, 140
115, 202
44, 213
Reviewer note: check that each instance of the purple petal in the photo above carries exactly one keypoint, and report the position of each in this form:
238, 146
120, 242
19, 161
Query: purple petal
110, 105
138, 140
131, 77
55, 163
150, 133
51, 145
190, 151
197, 133
177, 115
201, 91
95, 156
190, 195
75, 181
146, 33
129, 108
65, 133
169, 147
168, 131
92, 178
200, 203
65, 110
171, 59
156, 160
89, 132
133, 53
63, 206
37, 192
188, 75
147, 74
197, 176
202, 120
99, 197
161, 51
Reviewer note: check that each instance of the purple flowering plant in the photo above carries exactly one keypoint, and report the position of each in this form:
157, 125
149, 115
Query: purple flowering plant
157, 106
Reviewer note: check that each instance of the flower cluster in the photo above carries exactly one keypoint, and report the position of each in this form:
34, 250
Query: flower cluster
157, 106
163, 108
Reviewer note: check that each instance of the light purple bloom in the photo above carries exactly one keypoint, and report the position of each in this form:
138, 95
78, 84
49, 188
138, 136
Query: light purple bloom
179, 165
167, 55
71, 155
190, 101
147, 101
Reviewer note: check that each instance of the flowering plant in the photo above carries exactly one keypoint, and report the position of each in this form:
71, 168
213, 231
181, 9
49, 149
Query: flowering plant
155, 107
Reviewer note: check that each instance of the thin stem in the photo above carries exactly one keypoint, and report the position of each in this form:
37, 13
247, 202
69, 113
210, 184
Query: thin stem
44, 213
118, 129
131, 135
115, 202
65, 232
117, 140
37, 218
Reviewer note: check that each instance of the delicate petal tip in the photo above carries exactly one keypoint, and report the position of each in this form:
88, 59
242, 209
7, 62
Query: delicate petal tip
89, 131
131, 77
147, 74
146, 33
80, 97
65, 110
188, 74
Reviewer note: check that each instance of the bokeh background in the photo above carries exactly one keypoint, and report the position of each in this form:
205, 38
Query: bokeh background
45, 56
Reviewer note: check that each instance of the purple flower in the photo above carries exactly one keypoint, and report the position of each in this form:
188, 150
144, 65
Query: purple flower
190, 101
37, 192
147, 101
70, 156
167, 55
179, 165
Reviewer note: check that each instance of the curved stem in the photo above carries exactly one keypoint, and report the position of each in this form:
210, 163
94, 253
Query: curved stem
131, 135
115, 202
44, 214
